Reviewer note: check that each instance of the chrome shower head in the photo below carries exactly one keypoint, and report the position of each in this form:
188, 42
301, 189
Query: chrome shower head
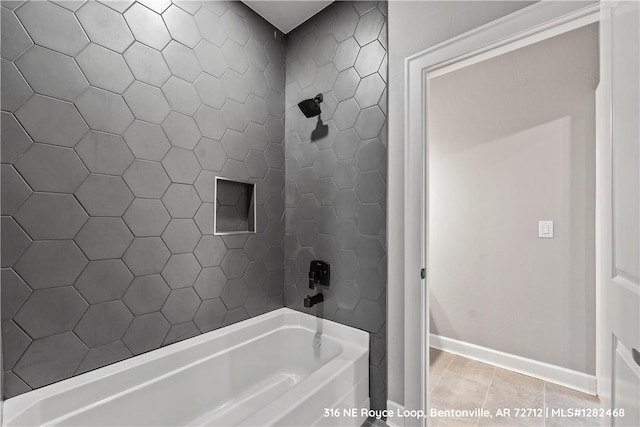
311, 107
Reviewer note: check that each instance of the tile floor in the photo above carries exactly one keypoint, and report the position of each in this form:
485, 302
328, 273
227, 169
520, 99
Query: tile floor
460, 383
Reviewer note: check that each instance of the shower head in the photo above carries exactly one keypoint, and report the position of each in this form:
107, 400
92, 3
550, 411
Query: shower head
311, 107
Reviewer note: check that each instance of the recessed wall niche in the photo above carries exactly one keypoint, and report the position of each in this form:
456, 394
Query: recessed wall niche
235, 208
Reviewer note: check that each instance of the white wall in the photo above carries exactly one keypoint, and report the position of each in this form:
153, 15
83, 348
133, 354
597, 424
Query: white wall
413, 27
512, 142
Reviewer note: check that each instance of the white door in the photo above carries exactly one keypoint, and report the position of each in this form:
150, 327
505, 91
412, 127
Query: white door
619, 213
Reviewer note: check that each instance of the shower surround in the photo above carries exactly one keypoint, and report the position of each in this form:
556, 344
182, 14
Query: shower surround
336, 170
116, 117
107, 178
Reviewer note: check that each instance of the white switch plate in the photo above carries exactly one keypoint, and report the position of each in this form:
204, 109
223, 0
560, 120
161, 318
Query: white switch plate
545, 229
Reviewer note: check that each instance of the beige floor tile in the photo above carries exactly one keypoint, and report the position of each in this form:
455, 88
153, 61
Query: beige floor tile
501, 421
468, 368
438, 422
454, 392
558, 397
571, 422
438, 362
513, 391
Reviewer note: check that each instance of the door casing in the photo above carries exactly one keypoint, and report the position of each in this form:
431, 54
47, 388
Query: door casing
540, 21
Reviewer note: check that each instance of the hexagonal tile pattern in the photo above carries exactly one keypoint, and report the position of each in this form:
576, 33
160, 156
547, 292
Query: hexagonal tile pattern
51, 264
211, 90
235, 145
369, 26
181, 130
210, 122
147, 26
181, 165
52, 26
181, 95
146, 217
181, 306
181, 200
14, 293
182, 26
63, 220
103, 323
147, 64
181, 236
104, 355
104, 153
104, 68
369, 59
210, 315
181, 270
146, 255
182, 61
146, 294
370, 219
370, 122
15, 88
104, 111
51, 168
346, 115
210, 251
234, 293
15, 343
103, 281
146, 141
14, 241
208, 94
146, 179
14, 190
105, 26
147, 332
51, 311
234, 263
51, 359
346, 54
147, 102
104, 238
104, 195
15, 40
14, 139
210, 283
210, 26
335, 193
51, 121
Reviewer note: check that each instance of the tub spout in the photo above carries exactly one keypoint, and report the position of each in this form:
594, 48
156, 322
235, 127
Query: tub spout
310, 301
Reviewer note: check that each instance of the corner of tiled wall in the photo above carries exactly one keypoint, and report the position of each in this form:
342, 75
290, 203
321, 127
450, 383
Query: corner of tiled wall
116, 116
336, 170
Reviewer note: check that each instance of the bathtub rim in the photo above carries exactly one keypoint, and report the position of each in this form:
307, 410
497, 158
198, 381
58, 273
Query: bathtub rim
351, 338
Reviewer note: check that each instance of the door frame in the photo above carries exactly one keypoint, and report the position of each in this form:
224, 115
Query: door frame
540, 21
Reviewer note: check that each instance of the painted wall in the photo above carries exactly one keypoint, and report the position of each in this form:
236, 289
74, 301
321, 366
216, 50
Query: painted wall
512, 142
413, 27
335, 191
115, 119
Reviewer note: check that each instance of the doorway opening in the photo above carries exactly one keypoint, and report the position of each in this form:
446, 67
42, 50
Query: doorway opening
511, 243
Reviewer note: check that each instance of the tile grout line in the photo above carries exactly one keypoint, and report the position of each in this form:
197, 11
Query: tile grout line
484, 402
443, 371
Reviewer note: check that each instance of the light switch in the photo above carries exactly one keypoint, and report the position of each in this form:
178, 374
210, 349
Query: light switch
545, 229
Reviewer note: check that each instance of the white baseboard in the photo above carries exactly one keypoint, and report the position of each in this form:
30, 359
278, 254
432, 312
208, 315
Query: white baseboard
533, 368
396, 408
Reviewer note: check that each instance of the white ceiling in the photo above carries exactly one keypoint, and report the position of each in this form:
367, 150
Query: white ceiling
287, 15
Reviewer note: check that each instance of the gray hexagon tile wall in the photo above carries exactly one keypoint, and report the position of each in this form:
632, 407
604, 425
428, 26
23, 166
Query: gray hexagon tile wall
116, 116
335, 185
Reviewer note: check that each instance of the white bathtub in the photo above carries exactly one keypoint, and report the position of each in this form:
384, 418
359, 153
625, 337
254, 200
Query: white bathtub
263, 371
